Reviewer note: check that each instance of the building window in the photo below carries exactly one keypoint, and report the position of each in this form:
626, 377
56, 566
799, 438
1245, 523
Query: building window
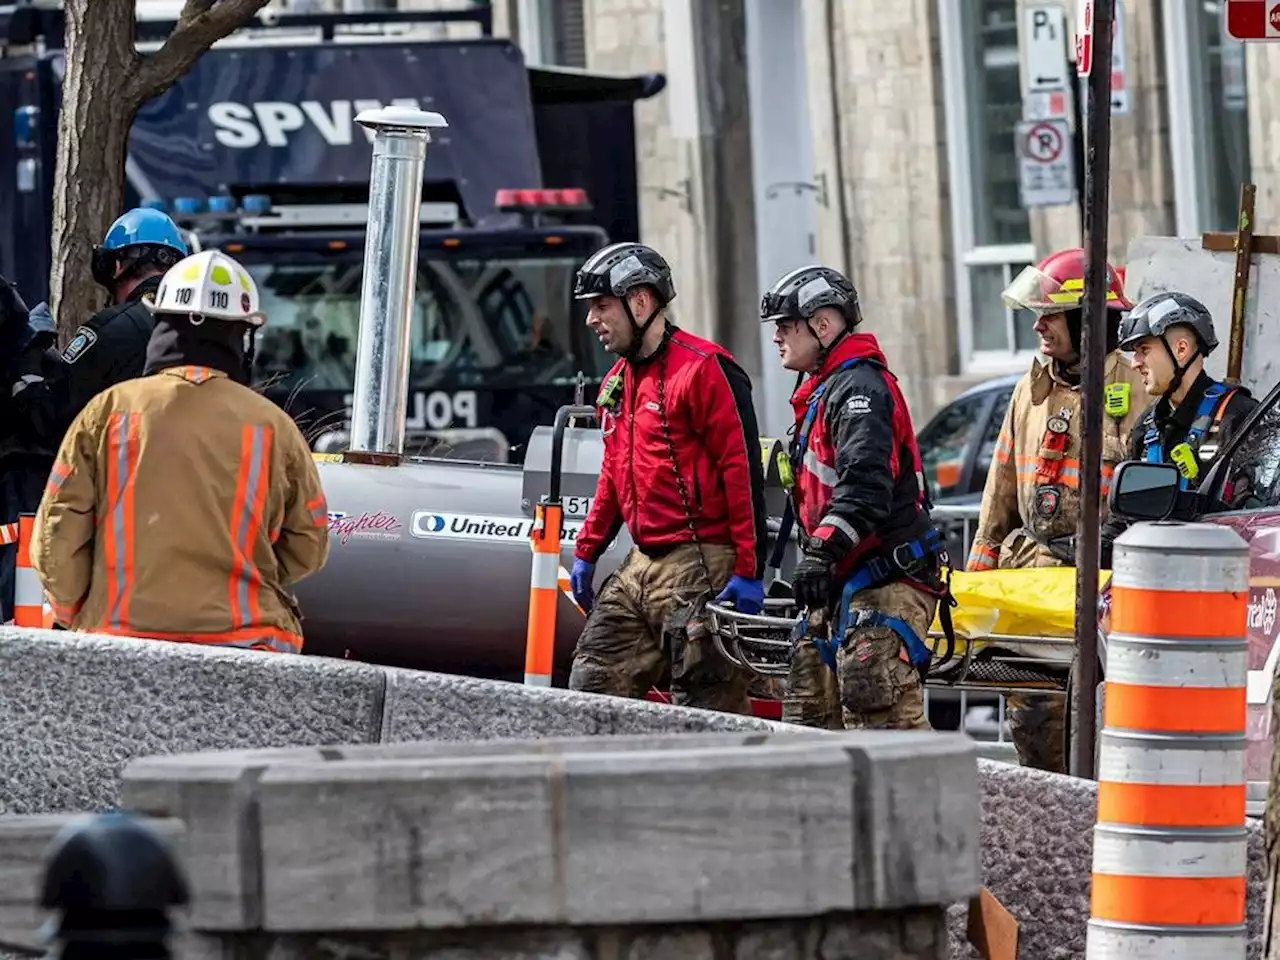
553, 32
994, 102
564, 37
991, 231
1208, 115
998, 329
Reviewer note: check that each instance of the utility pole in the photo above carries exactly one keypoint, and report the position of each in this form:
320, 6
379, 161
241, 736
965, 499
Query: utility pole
1093, 356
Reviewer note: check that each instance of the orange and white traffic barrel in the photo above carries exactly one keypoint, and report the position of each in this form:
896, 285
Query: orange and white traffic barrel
1169, 847
544, 594
29, 608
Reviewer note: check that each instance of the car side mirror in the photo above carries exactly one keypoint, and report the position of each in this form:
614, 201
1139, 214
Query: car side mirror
1144, 491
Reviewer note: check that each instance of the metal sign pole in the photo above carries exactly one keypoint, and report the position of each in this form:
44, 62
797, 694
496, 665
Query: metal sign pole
1093, 357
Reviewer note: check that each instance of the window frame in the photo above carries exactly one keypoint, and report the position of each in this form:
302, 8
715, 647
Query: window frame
537, 22
967, 253
1185, 111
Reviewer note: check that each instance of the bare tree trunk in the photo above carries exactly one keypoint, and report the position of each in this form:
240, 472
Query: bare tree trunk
106, 82
93, 131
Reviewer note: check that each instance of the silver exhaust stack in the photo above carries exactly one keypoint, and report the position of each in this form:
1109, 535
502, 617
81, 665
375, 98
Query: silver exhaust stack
401, 135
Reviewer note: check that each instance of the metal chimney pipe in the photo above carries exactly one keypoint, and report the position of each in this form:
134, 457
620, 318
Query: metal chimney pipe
401, 135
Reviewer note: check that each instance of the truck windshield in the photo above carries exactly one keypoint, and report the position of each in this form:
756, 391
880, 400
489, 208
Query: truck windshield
482, 323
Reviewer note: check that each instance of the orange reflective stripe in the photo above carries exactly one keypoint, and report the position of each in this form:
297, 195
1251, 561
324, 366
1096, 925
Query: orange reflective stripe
259, 637
1068, 474
1177, 901
64, 614
1004, 446
982, 557
318, 509
1170, 804
118, 529
1175, 613
247, 508
57, 477
1174, 709
194, 374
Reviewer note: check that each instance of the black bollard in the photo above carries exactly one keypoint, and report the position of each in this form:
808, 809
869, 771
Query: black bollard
111, 880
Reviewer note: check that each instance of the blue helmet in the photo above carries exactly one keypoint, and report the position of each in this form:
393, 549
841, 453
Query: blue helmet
144, 226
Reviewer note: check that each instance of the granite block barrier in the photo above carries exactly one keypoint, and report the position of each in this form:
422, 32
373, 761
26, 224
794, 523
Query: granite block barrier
704, 846
75, 708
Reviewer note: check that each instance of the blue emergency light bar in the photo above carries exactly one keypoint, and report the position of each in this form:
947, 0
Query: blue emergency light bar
221, 204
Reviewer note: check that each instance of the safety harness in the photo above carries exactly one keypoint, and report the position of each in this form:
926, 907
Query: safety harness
1185, 456
904, 560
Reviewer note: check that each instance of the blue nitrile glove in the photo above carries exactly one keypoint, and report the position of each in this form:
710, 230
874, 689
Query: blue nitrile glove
747, 596
580, 582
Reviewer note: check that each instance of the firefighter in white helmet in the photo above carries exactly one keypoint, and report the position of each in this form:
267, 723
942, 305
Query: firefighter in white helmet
182, 504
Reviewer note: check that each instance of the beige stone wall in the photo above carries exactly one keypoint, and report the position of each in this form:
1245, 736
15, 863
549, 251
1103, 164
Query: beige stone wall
887, 105
1262, 65
628, 36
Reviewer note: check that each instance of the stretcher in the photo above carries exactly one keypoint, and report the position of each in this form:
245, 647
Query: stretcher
1014, 632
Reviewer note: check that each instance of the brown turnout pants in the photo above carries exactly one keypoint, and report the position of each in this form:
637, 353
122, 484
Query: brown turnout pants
875, 685
647, 615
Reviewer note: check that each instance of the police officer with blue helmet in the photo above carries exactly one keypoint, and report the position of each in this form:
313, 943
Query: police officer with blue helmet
112, 346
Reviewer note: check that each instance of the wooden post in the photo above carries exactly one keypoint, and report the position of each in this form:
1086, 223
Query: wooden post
1244, 243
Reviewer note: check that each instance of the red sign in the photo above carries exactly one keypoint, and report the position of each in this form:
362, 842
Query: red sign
1253, 19
1084, 38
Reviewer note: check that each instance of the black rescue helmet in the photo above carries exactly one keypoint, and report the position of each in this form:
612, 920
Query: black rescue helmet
1161, 311
798, 295
619, 268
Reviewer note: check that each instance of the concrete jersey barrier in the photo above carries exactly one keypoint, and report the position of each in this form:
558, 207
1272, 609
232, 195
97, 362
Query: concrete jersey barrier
77, 707
580, 848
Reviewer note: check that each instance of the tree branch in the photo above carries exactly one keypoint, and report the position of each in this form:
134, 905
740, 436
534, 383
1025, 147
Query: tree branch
201, 24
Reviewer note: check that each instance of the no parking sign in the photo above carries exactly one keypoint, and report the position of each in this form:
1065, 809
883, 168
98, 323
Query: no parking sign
1046, 173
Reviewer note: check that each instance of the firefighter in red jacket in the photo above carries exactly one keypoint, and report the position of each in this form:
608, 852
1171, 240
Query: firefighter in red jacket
682, 470
870, 578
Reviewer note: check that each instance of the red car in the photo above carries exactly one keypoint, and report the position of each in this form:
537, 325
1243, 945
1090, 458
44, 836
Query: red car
1143, 491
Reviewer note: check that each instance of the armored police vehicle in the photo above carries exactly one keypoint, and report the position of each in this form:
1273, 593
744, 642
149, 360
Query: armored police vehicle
255, 151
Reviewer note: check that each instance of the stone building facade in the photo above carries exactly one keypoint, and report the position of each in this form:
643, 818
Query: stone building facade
903, 125
911, 110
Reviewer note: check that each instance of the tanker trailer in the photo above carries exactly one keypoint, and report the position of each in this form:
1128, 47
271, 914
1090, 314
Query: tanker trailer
430, 559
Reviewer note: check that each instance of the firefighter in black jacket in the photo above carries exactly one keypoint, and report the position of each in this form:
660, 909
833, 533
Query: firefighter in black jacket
112, 346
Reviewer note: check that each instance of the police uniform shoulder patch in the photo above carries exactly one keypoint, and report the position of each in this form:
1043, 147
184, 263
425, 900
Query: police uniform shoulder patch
84, 339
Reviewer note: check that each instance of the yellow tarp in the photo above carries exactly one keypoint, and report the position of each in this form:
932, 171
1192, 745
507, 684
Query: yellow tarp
1037, 602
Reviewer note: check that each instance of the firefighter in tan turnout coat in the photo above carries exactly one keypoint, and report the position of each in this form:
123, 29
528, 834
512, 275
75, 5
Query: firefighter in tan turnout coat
1031, 502
182, 504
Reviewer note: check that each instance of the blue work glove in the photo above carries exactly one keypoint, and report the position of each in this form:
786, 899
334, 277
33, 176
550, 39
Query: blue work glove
580, 579
747, 596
